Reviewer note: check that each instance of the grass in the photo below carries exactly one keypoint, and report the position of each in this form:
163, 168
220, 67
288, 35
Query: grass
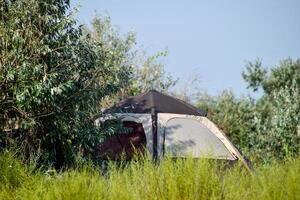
180, 179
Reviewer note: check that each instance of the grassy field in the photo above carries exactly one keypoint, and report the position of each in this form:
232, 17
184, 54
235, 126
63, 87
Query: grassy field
181, 179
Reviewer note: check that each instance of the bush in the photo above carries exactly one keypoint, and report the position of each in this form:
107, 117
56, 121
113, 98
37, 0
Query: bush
52, 78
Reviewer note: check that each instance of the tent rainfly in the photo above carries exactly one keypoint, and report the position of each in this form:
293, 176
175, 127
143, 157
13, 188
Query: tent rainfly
168, 126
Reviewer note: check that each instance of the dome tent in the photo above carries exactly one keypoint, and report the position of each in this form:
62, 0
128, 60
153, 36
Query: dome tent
173, 127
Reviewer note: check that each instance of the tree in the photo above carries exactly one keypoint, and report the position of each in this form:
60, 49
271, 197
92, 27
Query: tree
121, 52
52, 78
278, 126
136, 72
268, 127
150, 74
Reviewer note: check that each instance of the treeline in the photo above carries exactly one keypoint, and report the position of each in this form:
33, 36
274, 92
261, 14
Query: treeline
57, 75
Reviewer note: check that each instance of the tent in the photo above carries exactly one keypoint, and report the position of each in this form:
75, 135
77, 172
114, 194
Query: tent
168, 126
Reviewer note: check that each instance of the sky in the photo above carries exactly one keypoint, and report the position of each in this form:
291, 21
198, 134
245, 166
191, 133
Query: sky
210, 39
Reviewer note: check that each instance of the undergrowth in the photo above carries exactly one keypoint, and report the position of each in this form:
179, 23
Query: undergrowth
169, 179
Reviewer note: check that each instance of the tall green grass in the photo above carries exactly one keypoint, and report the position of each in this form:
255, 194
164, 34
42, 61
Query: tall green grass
169, 179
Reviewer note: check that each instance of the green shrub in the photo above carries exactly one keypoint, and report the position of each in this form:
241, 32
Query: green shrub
52, 78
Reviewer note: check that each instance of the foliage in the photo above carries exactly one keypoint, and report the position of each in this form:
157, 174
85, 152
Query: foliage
267, 127
136, 72
56, 76
152, 75
121, 53
171, 179
52, 78
12, 171
278, 110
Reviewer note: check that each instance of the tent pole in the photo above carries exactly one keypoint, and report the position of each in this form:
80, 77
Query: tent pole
154, 132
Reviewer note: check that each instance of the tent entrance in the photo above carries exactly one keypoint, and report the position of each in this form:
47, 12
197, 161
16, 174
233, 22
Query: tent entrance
124, 145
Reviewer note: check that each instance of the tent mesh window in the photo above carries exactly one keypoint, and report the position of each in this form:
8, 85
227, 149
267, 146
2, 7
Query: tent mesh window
124, 145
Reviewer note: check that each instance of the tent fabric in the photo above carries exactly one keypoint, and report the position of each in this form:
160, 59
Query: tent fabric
162, 103
163, 124
165, 117
189, 137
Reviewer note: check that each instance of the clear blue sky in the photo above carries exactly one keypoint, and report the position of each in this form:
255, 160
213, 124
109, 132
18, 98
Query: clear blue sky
212, 38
